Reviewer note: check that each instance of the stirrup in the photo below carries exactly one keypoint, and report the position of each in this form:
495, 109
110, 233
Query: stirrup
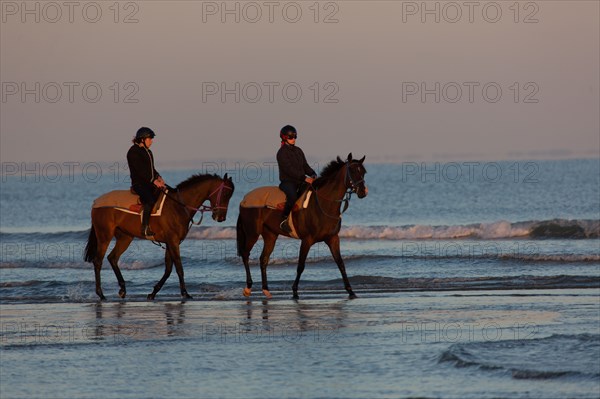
285, 226
146, 232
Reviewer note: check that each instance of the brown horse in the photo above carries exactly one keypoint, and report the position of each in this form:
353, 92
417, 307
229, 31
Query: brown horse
170, 228
319, 221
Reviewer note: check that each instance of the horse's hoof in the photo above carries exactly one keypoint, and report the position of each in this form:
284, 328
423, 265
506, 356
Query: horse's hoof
247, 292
352, 296
295, 296
185, 295
122, 294
150, 297
267, 294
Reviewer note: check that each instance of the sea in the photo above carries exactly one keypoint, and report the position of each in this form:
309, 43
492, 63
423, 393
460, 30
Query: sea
475, 279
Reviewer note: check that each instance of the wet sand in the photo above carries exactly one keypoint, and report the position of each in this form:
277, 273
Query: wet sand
380, 345
124, 321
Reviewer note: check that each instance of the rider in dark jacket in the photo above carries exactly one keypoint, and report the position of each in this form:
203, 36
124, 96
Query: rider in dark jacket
145, 180
293, 170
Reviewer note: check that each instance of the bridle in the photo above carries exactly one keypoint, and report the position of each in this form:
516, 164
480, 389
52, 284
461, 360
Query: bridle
202, 208
351, 188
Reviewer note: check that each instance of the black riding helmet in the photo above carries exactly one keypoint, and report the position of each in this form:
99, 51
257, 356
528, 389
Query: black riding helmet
287, 131
144, 132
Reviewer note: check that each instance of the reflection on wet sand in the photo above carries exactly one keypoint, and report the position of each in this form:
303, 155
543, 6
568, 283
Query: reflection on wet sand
213, 321
137, 321
415, 317
222, 321
294, 320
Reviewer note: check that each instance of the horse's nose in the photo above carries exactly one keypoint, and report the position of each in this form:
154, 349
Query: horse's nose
364, 193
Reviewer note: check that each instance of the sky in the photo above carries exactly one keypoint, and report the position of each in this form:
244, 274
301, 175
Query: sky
393, 80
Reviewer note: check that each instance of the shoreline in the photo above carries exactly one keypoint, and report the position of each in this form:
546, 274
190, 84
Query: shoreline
235, 294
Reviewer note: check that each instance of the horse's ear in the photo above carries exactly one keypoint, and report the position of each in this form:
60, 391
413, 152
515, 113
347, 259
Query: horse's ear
362, 159
339, 159
350, 157
225, 177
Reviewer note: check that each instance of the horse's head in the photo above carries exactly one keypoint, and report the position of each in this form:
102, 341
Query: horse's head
220, 196
355, 176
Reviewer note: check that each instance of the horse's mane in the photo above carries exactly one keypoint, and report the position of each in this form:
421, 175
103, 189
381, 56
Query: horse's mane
195, 179
328, 172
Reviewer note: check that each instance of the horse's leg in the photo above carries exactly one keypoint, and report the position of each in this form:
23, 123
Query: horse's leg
245, 254
168, 269
123, 242
103, 240
334, 246
269, 239
304, 248
174, 249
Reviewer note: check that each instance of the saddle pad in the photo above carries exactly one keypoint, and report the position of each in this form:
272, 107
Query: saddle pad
271, 197
125, 200
116, 199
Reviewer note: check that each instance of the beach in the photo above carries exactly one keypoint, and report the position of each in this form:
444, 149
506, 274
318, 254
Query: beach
459, 140
533, 344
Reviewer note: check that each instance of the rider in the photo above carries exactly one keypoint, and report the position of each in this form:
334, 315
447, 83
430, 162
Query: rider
293, 171
145, 180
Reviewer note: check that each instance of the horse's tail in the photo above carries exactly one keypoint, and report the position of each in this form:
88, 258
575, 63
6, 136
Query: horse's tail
241, 235
91, 248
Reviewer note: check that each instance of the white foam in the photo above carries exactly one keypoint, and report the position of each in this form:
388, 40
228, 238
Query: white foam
492, 230
212, 233
501, 229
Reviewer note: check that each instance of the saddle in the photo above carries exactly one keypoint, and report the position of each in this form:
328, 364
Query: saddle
127, 201
272, 197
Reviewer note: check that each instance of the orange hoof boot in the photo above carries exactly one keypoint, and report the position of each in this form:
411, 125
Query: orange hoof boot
247, 292
267, 294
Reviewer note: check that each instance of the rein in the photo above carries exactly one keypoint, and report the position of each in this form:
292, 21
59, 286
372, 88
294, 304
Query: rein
202, 208
350, 189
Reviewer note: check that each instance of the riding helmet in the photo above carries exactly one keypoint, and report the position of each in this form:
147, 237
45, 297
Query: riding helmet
143, 133
287, 129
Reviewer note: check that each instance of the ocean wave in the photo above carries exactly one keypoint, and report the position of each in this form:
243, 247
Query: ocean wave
497, 254
368, 283
556, 356
502, 229
51, 235
557, 228
133, 265
439, 254
15, 284
41, 290
473, 283
554, 258
405, 254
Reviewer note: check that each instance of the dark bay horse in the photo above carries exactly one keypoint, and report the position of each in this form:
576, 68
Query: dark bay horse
170, 228
320, 221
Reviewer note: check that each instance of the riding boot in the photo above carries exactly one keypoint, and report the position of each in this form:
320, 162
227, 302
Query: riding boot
284, 225
146, 232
